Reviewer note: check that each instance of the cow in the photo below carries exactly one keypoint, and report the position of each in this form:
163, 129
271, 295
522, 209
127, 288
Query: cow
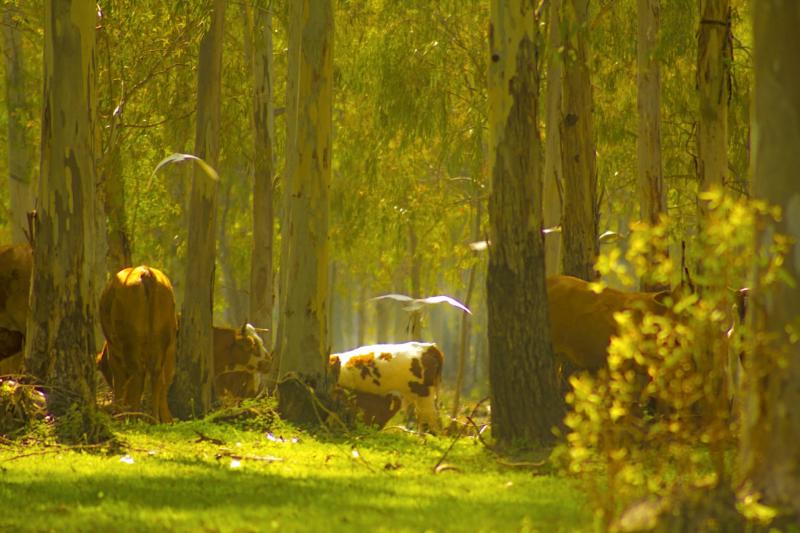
582, 320
16, 264
137, 314
412, 370
240, 362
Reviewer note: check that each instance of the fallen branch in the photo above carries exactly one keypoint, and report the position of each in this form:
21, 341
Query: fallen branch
460, 432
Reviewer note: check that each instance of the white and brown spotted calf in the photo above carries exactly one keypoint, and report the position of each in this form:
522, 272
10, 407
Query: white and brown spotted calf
412, 370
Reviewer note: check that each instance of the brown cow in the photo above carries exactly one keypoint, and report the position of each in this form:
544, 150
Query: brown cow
137, 313
16, 262
582, 321
240, 361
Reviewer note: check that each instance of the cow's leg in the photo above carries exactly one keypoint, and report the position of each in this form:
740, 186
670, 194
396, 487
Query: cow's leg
427, 414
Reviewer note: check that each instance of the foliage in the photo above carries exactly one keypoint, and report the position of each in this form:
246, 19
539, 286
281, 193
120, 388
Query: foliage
203, 475
20, 406
659, 417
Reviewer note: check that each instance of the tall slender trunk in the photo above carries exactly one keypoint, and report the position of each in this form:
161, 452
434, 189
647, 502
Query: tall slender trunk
526, 403
304, 342
714, 55
552, 149
650, 180
580, 219
190, 394
770, 457
261, 275
20, 146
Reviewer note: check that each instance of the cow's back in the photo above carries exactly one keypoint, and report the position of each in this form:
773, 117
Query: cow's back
582, 320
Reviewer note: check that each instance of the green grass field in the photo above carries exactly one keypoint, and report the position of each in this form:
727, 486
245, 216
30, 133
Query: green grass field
242, 478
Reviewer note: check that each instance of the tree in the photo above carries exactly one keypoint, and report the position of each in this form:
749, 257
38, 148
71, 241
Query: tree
714, 56
526, 403
652, 198
651, 181
552, 150
261, 283
190, 394
20, 147
60, 342
111, 185
579, 233
304, 343
770, 457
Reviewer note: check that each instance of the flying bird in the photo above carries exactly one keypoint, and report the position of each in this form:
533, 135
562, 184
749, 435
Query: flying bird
415, 304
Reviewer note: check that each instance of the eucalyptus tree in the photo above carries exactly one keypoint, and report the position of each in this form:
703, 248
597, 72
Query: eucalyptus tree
526, 403
304, 342
261, 271
714, 55
190, 394
650, 179
553, 182
579, 166
60, 346
770, 457
19, 110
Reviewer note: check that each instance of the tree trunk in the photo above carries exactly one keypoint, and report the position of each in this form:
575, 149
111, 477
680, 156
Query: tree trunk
60, 348
650, 180
304, 347
552, 149
579, 232
20, 146
770, 456
190, 394
414, 327
714, 55
236, 308
526, 403
465, 331
261, 276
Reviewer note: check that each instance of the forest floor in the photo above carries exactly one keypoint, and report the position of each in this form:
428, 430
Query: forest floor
257, 473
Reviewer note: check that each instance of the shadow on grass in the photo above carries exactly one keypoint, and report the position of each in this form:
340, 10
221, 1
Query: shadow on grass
211, 497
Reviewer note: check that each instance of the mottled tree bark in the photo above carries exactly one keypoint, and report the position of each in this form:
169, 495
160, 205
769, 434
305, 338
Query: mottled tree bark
770, 456
190, 394
714, 55
304, 343
526, 401
580, 218
60, 343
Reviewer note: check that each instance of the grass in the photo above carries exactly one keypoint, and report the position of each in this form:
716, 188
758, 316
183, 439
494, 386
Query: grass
164, 479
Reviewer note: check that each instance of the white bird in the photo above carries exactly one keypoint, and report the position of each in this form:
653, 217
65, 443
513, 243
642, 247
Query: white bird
415, 304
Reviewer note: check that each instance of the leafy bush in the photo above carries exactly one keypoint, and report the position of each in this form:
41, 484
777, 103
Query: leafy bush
660, 417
